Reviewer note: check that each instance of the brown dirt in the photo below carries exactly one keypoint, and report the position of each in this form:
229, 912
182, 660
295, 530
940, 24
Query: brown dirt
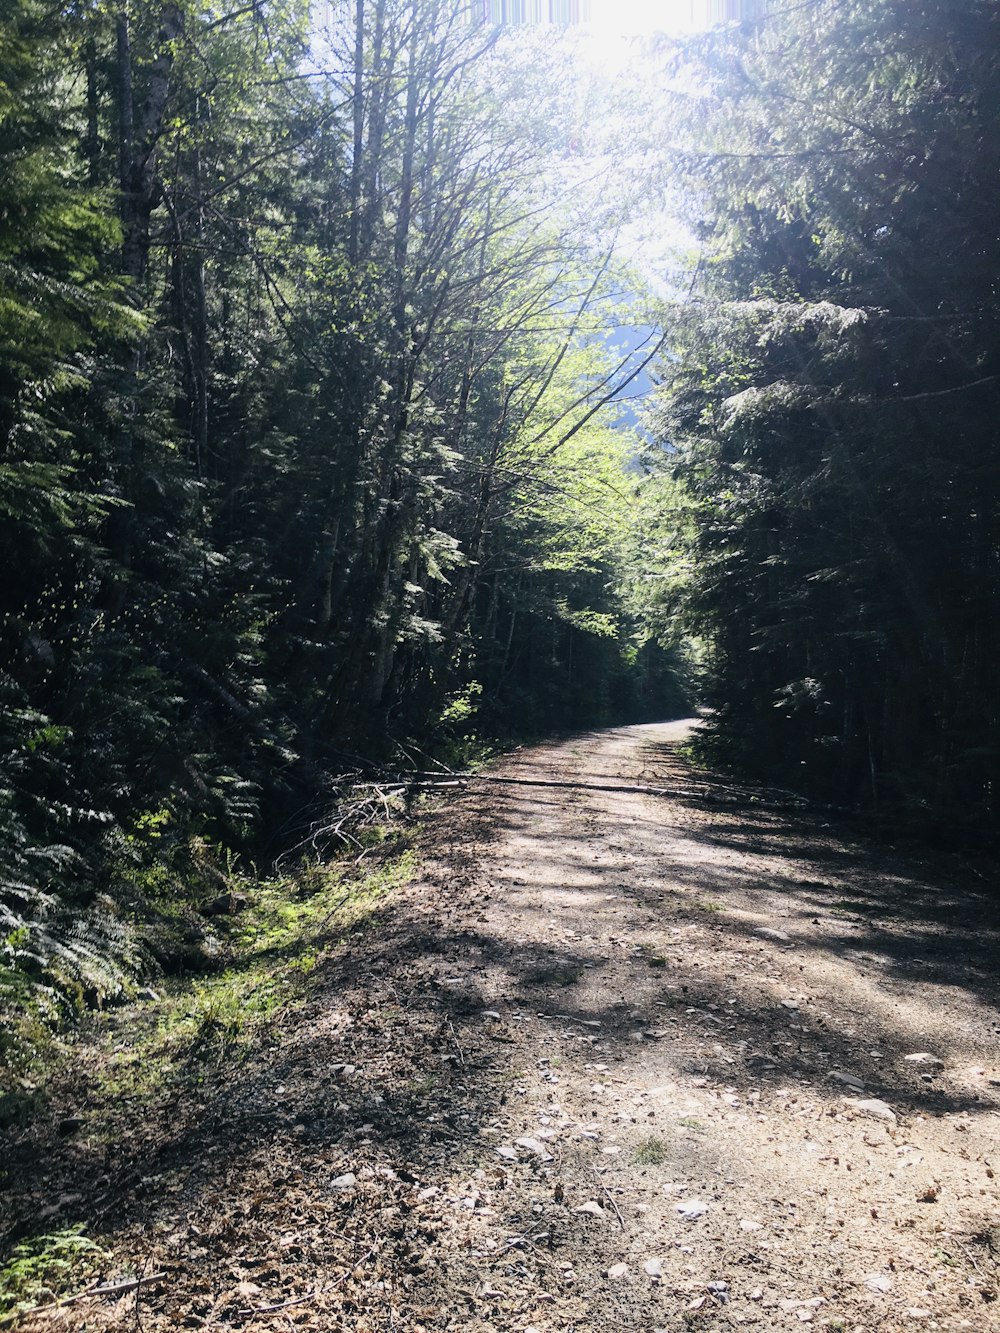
584, 968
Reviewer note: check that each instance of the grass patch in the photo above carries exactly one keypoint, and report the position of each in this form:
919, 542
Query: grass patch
650, 1152
651, 953
317, 906
422, 1085
273, 948
45, 1269
193, 1033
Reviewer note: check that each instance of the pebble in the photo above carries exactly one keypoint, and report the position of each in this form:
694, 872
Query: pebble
593, 1208
849, 1080
533, 1146
692, 1209
878, 1283
924, 1059
872, 1106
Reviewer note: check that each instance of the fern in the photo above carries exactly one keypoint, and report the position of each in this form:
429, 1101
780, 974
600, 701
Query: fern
60, 945
44, 1268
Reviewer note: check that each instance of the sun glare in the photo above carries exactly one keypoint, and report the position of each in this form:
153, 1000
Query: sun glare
613, 24
633, 18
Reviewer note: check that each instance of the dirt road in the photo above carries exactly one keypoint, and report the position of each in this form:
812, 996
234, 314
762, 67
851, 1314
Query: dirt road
613, 1061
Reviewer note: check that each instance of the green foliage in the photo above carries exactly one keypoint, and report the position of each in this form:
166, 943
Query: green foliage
202, 1025
650, 1152
299, 454
833, 401
45, 1268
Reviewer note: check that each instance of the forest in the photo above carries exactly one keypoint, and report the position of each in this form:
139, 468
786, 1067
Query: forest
316, 462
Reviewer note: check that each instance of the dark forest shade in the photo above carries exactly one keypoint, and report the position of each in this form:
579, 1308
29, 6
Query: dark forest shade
836, 408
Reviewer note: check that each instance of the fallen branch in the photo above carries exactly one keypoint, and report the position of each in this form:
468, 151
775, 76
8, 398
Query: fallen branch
568, 1018
769, 799
611, 1199
285, 1305
453, 779
102, 1289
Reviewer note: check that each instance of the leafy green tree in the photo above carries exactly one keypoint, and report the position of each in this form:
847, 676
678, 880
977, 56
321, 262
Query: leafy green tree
58, 312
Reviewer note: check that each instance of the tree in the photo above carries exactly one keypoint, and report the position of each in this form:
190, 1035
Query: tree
835, 393
58, 309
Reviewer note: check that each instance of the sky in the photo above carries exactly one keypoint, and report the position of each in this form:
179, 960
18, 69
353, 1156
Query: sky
632, 17
608, 49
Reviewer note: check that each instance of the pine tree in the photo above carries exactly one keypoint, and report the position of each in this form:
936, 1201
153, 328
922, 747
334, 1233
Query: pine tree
835, 402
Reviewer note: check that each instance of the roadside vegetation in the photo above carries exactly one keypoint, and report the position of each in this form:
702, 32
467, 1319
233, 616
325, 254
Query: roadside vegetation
310, 462
231, 969
261, 950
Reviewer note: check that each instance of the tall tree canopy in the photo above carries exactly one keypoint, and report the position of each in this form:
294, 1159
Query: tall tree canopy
833, 397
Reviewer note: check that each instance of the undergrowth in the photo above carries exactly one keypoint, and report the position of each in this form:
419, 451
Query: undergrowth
196, 1028
273, 946
44, 1269
650, 1152
225, 948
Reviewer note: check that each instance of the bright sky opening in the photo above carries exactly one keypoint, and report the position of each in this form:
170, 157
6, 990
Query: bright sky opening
631, 18
614, 24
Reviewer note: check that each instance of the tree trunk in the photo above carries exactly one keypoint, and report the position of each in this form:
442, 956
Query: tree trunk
137, 153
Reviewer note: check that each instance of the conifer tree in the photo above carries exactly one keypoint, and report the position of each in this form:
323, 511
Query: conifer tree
835, 402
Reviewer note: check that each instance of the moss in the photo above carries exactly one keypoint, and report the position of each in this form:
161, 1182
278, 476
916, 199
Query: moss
273, 949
